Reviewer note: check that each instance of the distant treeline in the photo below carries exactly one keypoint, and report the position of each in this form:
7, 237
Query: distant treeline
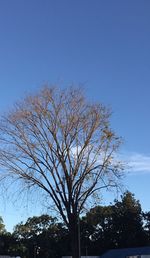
119, 225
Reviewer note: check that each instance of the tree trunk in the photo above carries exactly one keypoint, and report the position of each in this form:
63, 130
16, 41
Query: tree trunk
74, 230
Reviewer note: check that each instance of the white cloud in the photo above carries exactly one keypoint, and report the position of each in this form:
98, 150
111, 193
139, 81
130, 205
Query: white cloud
137, 162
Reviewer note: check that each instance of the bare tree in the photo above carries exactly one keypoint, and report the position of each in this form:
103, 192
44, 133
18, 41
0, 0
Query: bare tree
59, 142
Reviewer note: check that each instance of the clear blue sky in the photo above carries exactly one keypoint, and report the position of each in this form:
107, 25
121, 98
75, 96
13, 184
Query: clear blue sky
102, 44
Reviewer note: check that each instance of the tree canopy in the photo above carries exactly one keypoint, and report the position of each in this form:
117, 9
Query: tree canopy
118, 225
59, 142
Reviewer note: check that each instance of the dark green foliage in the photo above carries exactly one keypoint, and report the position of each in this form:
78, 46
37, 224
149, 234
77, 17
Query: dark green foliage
119, 225
42, 236
146, 217
116, 226
128, 222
